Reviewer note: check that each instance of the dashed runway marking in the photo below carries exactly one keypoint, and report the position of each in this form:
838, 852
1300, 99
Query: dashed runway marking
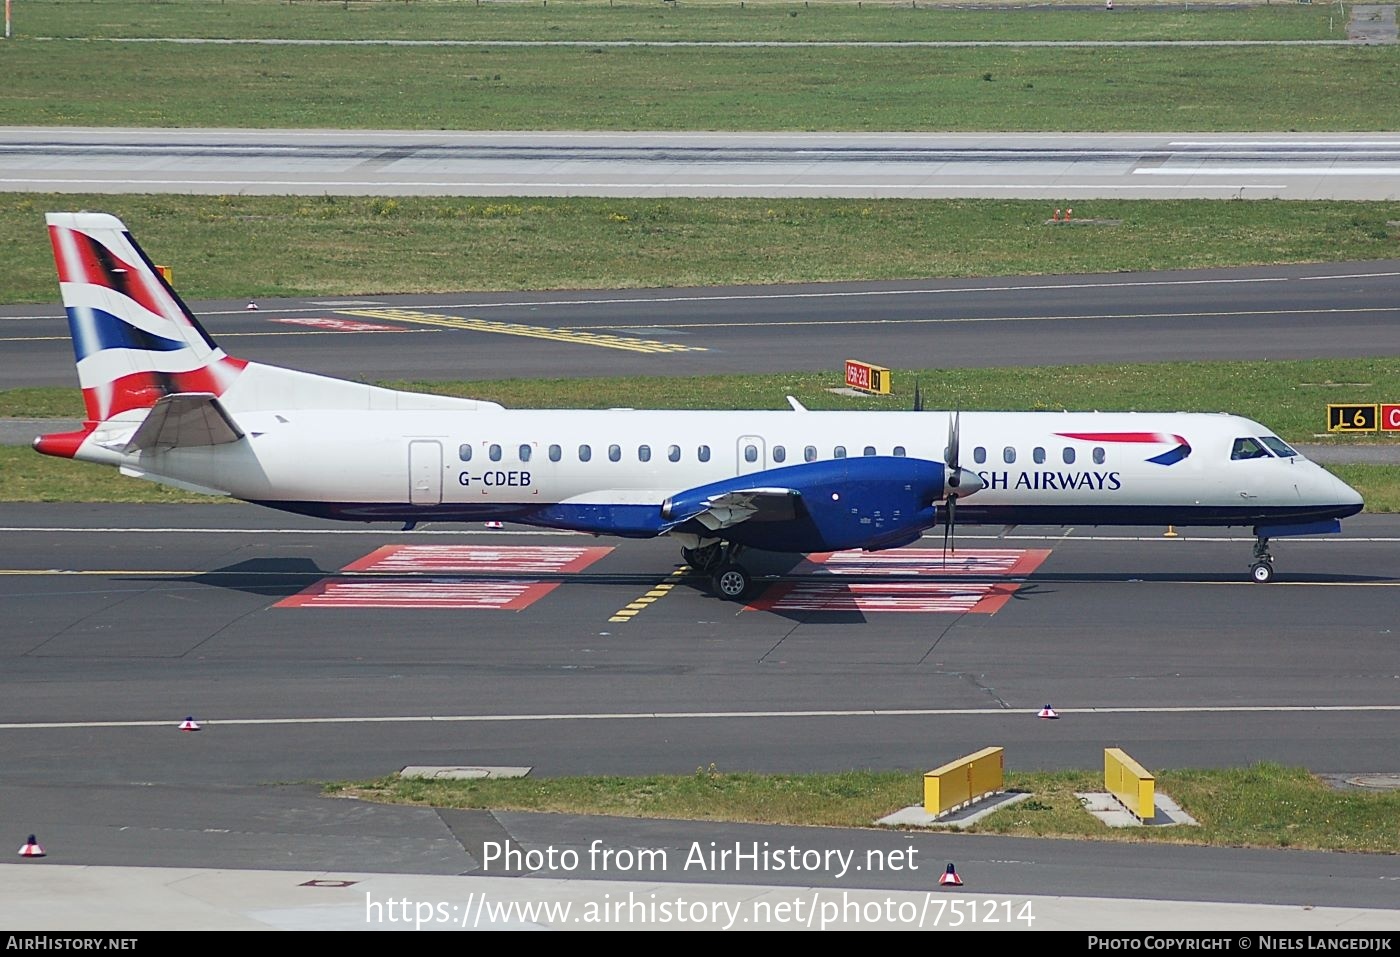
658, 591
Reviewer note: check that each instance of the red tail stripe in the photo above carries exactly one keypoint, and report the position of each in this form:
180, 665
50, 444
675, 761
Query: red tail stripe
141, 390
82, 261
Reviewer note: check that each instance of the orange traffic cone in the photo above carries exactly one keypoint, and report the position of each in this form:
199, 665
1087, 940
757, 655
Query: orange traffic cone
1048, 712
189, 724
31, 848
1069, 214
950, 878
1057, 215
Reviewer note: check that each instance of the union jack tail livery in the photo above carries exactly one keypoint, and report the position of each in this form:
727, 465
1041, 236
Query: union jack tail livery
153, 380
134, 339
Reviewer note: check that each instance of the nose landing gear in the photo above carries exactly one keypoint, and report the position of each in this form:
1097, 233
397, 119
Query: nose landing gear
1262, 571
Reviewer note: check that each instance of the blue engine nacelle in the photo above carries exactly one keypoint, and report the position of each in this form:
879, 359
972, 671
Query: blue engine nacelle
871, 502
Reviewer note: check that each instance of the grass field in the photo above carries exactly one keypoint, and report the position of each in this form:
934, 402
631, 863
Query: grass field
1290, 397
239, 246
1260, 806
784, 20
647, 88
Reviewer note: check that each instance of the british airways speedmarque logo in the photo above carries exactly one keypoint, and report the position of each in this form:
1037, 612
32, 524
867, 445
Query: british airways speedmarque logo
1180, 447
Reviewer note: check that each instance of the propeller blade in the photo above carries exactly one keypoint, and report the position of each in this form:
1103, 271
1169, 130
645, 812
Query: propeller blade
949, 524
918, 397
954, 433
947, 527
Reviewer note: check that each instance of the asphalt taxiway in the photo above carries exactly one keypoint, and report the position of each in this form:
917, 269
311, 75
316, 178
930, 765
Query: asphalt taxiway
121, 620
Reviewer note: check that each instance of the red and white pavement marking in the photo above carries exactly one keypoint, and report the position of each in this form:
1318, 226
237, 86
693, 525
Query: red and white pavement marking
989, 562
819, 593
466, 559
354, 593
459, 592
338, 325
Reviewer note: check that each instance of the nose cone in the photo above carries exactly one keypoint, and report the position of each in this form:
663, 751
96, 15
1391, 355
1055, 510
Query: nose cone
1344, 495
968, 482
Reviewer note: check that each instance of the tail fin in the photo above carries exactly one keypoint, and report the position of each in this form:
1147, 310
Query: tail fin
140, 348
135, 340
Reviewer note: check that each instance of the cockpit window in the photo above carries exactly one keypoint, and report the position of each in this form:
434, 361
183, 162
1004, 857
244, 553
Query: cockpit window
1248, 448
1278, 446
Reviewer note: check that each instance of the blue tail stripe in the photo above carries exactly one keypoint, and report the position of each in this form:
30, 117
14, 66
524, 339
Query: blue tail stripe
94, 330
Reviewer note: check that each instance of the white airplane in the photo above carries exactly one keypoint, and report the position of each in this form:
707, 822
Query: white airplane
165, 403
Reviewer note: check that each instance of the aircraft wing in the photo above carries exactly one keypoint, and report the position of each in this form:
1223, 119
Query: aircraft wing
185, 419
727, 509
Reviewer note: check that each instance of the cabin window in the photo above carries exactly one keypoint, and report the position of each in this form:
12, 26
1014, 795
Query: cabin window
555, 453
1249, 448
614, 453
674, 453
779, 454
1039, 455
1068, 455
809, 454
899, 451
1008, 455
464, 452
750, 453
644, 453
1278, 446
1098, 455
703, 453
979, 455
494, 453
870, 450
524, 453
839, 452
585, 452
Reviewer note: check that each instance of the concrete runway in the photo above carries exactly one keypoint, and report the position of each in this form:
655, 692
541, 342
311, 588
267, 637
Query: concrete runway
121, 620
1055, 166
1269, 312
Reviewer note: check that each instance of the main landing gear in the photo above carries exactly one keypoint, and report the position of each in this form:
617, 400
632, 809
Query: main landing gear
730, 580
1262, 571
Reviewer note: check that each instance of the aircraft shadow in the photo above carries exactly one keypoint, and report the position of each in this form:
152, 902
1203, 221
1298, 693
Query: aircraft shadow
267, 577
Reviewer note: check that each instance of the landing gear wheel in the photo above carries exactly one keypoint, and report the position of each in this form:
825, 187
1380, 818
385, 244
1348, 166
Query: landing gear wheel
1262, 572
703, 559
731, 582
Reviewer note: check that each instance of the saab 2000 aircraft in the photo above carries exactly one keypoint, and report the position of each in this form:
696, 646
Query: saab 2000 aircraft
165, 403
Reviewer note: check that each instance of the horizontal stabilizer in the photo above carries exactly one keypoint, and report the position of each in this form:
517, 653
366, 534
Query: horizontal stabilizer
185, 420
